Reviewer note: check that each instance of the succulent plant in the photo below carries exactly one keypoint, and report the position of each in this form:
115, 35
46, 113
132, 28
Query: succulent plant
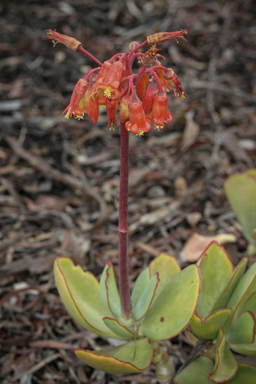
226, 310
199, 371
164, 299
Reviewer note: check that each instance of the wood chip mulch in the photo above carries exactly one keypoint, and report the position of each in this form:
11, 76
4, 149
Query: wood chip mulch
59, 178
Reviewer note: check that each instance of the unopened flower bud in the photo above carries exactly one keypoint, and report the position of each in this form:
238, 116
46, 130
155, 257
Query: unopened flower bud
147, 101
133, 45
142, 85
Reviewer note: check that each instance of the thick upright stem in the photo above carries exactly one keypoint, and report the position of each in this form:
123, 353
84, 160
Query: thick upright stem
123, 227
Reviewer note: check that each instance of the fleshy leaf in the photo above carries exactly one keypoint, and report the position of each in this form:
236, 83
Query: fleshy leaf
108, 291
216, 269
79, 292
132, 357
245, 349
196, 373
209, 327
236, 277
242, 331
167, 267
139, 285
118, 328
146, 298
244, 289
173, 309
241, 191
225, 363
246, 375
250, 304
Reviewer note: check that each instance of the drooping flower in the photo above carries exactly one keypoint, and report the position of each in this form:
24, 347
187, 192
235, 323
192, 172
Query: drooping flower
111, 106
138, 123
79, 109
78, 93
124, 108
160, 113
112, 79
70, 42
173, 82
148, 99
91, 103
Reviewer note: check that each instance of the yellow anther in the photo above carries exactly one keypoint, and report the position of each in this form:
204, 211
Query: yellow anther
158, 127
54, 43
67, 114
112, 126
107, 91
141, 133
79, 117
182, 96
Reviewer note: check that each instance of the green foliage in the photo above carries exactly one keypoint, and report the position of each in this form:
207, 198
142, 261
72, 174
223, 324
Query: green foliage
163, 302
198, 373
226, 315
132, 357
219, 280
241, 193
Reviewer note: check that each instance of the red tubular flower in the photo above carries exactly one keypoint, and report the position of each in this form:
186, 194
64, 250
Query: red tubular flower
103, 70
70, 42
112, 80
173, 81
76, 96
101, 74
160, 112
111, 106
147, 101
142, 85
91, 104
161, 37
124, 108
79, 110
138, 123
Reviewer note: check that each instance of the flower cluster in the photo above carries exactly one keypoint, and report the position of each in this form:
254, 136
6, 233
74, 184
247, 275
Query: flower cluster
140, 97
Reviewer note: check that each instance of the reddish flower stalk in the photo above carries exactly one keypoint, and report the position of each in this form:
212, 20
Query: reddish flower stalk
113, 87
81, 49
123, 226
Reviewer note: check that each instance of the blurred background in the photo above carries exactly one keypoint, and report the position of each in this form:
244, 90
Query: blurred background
59, 178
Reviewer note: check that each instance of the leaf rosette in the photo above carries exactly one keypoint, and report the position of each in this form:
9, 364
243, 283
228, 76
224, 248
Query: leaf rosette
164, 300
